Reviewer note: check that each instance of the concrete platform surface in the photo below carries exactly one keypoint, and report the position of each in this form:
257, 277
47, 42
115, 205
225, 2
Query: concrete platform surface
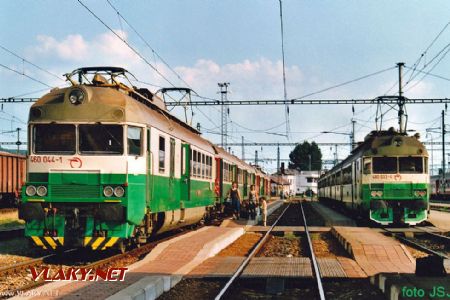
440, 219
410, 286
156, 273
374, 252
331, 217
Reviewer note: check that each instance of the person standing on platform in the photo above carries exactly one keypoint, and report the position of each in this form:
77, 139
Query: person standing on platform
252, 201
235, 197
263, 204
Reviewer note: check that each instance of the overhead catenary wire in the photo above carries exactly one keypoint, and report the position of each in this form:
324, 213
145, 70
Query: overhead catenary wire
25, 75
154, 68
31, 63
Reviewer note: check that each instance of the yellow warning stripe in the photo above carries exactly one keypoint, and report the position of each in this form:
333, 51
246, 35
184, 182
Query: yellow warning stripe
36, 200
111, 242
50, 241
87, 240
97, 242
112, 200
38, 241
61, 240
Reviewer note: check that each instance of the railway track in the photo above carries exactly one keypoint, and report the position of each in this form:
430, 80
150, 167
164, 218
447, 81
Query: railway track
444, 240
261, 243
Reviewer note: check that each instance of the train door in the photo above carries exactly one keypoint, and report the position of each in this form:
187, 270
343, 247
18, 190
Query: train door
245, 182
185, 172
149, 168
172, 169
353, 183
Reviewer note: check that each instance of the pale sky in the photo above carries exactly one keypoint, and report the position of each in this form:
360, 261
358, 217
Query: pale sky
206, 42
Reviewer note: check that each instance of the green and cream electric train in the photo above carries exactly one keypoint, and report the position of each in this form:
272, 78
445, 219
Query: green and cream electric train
109, 166
385, 179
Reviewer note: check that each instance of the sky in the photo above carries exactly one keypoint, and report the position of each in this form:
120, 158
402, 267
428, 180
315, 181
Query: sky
326, 43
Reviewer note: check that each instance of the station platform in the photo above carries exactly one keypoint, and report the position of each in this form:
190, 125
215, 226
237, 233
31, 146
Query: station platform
271, 207
440, 219
374, 252
332, 217
277, 267
157, 272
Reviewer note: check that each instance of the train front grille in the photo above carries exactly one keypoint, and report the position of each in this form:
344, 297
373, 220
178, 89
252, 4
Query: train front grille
75, 191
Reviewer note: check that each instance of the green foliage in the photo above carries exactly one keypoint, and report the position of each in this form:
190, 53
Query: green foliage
299, 157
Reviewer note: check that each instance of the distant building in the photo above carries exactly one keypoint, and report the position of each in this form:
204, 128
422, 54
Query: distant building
299, 181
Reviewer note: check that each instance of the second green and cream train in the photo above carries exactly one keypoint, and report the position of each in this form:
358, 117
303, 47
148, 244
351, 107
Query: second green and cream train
108, 166
385, 179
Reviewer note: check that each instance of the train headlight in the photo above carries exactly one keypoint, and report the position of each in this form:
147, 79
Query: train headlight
76, 96
41, 191
108, 191
30, 190
376, 193
119, 191
420, 193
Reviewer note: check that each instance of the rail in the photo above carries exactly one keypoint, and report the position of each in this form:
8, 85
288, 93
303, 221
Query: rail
416, 245
249, 257
314, 264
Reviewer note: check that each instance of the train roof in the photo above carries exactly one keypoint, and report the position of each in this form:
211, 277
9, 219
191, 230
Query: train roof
109, 105
385, 143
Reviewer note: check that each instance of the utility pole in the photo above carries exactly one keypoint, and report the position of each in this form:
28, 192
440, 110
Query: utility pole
278, 157
443, 152
353, 135
284, 71
401, 100
256, 158
224, 109
242, 148
335, 155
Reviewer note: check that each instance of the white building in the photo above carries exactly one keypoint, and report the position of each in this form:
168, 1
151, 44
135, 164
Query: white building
300, 181
305, 181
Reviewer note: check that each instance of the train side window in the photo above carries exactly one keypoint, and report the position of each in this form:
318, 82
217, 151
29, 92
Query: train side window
367, 166
172, 158
199, 164
203, 166
192, 163
162, 154
134, 137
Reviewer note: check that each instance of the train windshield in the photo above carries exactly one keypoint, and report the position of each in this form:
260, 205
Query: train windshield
101, 139
392, 165
410, 165
54, 139
384, 165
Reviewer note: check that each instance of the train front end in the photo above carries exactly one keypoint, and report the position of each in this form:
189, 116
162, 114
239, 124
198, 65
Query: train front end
85, 164
395, 180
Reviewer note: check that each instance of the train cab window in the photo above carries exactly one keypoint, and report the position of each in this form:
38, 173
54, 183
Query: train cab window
194, 163
101, 139
384, 165
162, 154
367, 168
134, 137
199, 164
412, 165
54, 138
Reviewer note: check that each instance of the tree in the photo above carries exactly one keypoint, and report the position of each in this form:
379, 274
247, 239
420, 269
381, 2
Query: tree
300, 157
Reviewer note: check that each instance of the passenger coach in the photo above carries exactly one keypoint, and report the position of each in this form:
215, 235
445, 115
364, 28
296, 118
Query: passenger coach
385, 179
